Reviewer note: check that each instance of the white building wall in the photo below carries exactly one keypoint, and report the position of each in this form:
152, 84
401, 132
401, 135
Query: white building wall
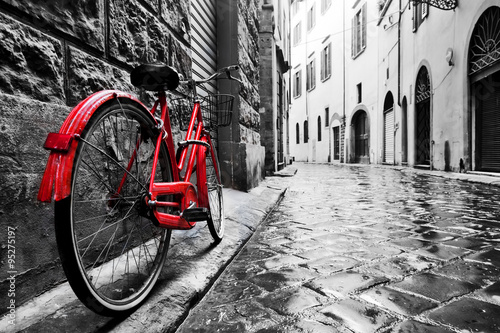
328, 93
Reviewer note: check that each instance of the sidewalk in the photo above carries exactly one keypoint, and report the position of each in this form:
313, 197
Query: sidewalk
470, 176
192, 266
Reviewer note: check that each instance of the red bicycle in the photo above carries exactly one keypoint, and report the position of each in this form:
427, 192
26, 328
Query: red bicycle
120, 186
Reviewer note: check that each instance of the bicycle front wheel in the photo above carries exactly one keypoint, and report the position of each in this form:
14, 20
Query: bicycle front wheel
111, 251
215, 200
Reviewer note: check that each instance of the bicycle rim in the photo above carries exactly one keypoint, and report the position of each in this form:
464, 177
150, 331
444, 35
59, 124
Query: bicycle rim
112, 254
214, 191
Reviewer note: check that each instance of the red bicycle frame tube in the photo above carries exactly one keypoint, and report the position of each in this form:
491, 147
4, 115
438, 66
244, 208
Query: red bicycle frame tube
58, 172
181, 185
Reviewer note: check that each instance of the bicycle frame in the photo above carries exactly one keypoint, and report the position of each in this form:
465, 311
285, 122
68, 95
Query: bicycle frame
190, 198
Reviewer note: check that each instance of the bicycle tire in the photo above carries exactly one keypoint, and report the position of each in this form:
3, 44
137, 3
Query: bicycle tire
216, 220
111, 252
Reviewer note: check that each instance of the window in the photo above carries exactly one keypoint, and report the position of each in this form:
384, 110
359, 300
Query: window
311, 17
327, 116
297, 84
319, 128
325, 4
297, 33
326, 62
311, 75
420, 12
359, 89
297, 133
336, 143
358, 32
306, 132
295, 7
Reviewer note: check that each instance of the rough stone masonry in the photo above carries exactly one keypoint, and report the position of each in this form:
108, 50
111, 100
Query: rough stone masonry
54, 54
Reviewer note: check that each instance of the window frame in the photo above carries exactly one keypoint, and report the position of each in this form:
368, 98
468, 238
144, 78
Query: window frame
311, 75
297, 33
311, 17
358, 32
297, 133
420, 14
325, 5
320, 128
326, 62
297, 84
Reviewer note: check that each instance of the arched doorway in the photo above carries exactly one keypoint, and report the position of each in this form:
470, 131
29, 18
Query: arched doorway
361, 132
404, 131
423, 118
389, 129
484, 75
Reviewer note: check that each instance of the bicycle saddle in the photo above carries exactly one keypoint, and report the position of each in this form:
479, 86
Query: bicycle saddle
154, 77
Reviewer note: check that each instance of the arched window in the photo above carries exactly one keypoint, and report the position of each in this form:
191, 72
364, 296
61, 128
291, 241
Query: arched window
306, 132
319, 128
297, 133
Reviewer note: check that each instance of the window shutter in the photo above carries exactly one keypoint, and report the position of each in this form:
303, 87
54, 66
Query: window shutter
415, 17
353, 36
425, 10
363, 33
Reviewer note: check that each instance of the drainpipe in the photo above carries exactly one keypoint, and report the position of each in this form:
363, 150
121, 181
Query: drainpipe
399, 54
343, 120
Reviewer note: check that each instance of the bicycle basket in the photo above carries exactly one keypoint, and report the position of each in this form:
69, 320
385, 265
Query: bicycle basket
217, 110
180, 112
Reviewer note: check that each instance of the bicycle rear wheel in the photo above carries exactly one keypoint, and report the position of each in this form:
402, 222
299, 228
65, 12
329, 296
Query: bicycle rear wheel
111, 251
215, 200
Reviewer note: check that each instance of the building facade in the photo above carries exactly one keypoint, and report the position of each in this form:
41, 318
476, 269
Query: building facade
419, 84
55, 54
274, 48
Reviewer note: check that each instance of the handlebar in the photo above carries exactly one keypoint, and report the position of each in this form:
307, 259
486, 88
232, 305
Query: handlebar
224, 70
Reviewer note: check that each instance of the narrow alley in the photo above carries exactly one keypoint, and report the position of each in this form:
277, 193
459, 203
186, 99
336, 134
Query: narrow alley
365, 249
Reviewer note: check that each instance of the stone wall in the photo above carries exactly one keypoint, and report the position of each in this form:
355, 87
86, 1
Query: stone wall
241, 153
52, 55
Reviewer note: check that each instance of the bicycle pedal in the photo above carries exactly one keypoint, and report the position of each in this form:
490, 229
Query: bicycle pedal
195, 214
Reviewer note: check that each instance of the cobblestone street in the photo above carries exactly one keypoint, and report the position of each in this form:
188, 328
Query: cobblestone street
365, 249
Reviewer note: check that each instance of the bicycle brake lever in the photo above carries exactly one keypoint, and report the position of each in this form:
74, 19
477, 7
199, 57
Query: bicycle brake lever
230, 77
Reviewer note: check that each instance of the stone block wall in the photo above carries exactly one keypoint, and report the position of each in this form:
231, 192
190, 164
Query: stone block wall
241, 153
52, 55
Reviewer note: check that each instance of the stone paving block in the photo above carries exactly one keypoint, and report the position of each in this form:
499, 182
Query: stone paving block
282, 261
491, 257
469, 243
285, 277
411, 326
411, 243
398, 266
442, 252
306, 245
357, 316
397, 301
469, 315
234, 291
491, 293
436, 287
436, 236
291, 301
316, 253
340, 285
317, 327
256, 252
326, 266
476, 273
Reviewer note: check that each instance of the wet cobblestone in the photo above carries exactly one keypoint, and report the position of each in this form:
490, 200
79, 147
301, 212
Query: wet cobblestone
365, 249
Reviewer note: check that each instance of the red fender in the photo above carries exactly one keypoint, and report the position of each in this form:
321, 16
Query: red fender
57, 176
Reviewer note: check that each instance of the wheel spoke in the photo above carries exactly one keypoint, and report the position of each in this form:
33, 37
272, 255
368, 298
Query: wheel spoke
117, 252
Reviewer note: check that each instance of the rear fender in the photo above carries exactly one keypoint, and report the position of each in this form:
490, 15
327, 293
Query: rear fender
56, 179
